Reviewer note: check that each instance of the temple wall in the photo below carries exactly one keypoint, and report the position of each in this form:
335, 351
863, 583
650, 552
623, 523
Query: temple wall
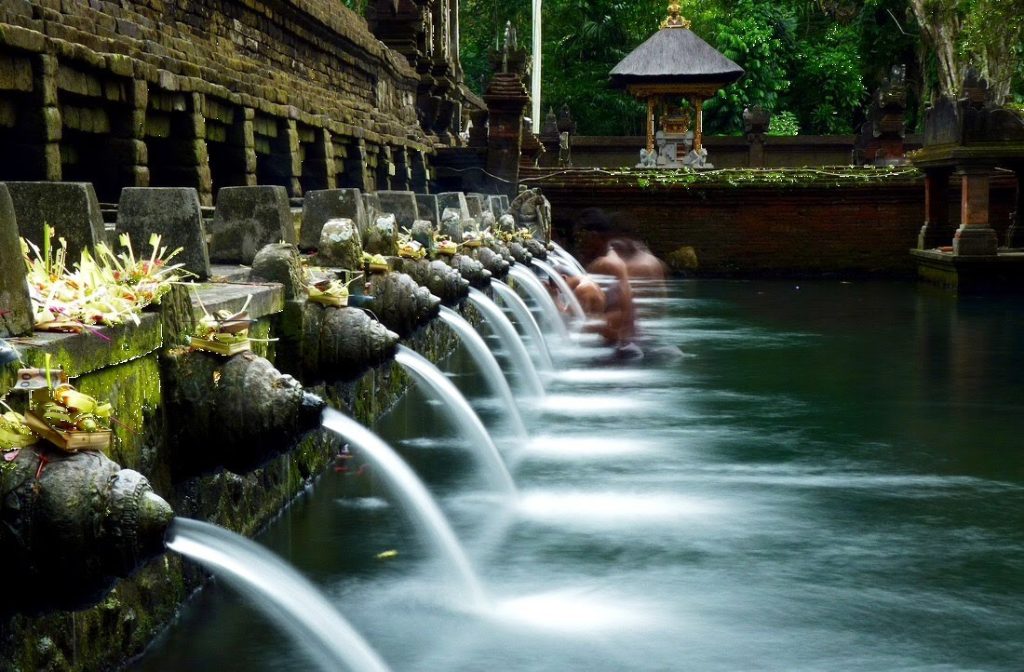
206, 94
798, 230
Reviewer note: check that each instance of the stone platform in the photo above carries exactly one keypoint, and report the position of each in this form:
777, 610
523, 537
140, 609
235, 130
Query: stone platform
1003, 272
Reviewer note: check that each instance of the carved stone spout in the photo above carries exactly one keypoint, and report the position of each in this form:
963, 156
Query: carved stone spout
470, 269
520, 253
492, 261
70, 524
236, 413
441, 279
401, 303
342, 343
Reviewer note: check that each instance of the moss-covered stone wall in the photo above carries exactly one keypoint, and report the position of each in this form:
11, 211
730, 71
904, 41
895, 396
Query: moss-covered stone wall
126, 620
207, 94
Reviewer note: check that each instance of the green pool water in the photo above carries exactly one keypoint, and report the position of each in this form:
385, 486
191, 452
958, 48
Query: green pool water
830, 478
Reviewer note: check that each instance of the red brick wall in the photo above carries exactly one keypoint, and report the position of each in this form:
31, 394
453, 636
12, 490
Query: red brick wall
766, 230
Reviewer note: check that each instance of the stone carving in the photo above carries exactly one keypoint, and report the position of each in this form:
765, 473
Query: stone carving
235, 413
342, 343
279, 262
532, 210
340, 245
382, 236
441, 279
400, 303
72, 522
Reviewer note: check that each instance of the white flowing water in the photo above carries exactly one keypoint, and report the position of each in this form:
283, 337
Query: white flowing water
526, 320
418, 503
563, 288
487, 364
509, 339
459, 410
279, 592
533, 287
562, 254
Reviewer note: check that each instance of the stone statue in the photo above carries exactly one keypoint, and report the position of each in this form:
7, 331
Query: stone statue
697, 159
648, 159
564, 151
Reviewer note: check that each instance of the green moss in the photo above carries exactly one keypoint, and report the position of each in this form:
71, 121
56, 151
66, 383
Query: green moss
133, 389
837, 176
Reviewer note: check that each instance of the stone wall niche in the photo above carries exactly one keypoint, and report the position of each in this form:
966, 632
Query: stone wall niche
28, 127
276, 142
316, 157
100, 140
229, 144
176, 139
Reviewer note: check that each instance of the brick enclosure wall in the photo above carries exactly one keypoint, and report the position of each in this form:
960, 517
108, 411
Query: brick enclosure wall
812, 230
204, 93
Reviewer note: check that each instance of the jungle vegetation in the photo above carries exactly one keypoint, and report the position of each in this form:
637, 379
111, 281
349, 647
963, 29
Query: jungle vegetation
813, 63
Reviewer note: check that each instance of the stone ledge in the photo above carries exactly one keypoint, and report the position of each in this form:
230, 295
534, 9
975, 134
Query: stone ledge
89, 351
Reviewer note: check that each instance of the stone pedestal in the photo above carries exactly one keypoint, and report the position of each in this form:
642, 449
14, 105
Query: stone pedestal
323, 205
171, 212
15, 306
402, 204
246, 219
71, 208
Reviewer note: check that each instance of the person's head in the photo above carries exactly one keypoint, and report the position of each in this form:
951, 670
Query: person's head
593, 231
624, 247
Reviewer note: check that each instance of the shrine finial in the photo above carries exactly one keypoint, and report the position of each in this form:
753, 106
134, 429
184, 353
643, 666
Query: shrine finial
674, 18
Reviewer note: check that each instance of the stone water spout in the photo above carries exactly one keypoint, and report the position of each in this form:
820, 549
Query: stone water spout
401, 303
70, 524
236, 413
441, 279
492, 261
342, 343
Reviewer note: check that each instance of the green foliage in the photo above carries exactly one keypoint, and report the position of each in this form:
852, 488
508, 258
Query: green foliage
830, 67
784, 123
818, 59
754, 34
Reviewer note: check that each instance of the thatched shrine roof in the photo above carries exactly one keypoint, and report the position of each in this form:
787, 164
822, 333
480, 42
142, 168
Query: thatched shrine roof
674, 55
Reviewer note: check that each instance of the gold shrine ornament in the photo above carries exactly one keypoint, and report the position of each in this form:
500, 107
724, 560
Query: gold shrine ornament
674, 18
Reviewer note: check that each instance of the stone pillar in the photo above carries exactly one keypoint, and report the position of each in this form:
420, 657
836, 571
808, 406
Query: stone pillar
249, 146
402, 177
356, 166
139, 101
1017, 216
975, 236
197, 126
506, 100
45, 81
419, 172
937, 230
290, 159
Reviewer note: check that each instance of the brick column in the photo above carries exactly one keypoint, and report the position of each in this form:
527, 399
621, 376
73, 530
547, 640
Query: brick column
937, 230
975, 236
